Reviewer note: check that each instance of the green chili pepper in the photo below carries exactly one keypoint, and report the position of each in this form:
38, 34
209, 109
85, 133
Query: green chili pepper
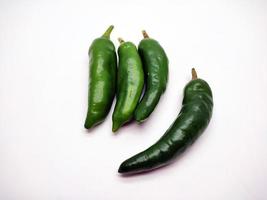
192, 120
155, 63
130, 84
102, 85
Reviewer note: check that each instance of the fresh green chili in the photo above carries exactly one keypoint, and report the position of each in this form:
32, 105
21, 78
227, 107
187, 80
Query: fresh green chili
129, 85
102, 84
192, 120
155, 63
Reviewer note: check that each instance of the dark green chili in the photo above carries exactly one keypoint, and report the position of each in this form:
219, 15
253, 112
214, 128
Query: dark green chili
192, 120
155, 63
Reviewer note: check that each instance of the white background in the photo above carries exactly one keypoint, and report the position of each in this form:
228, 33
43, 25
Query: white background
45, 153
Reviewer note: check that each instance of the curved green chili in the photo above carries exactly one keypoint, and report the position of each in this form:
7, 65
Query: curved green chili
192, 120
155, 63
129, 85
102, 84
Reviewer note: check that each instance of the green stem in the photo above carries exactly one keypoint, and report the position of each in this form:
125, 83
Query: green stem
108, 31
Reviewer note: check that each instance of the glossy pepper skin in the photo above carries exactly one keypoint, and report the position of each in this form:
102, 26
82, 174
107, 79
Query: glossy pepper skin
155, 63
129, 84
192, 120
102, 83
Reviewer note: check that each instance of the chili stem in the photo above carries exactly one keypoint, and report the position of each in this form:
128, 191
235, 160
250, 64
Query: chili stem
145, 34
194, 74
120, 40
108, 31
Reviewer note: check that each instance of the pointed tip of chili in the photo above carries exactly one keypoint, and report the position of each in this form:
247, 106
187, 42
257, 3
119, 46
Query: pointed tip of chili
139, 119
122, 169
88, 125
91, 122
126, 168
115, 126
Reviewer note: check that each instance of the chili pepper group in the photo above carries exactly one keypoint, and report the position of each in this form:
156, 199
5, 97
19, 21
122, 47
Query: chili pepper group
143, 68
